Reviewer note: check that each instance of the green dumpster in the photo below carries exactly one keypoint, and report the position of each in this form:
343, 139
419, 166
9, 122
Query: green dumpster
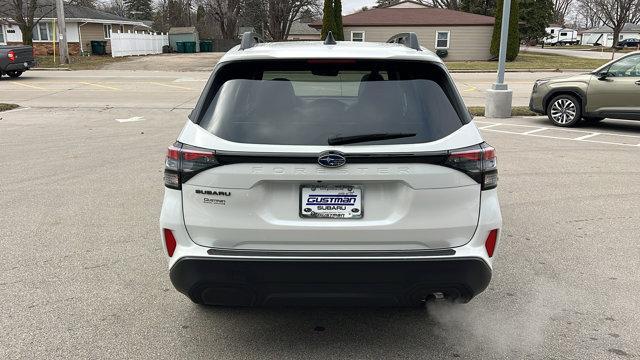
98, 47
206, 46
190, 46
180, 46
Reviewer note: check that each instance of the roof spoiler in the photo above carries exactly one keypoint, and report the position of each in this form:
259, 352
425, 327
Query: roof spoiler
249, 40
408, 39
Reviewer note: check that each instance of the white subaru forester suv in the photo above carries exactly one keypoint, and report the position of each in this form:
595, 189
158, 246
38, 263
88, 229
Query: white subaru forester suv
330, 173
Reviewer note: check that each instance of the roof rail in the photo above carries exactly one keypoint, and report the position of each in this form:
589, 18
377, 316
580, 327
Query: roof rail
408, 39
249, 40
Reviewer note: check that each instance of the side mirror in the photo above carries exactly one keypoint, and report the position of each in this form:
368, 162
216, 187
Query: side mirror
603, 75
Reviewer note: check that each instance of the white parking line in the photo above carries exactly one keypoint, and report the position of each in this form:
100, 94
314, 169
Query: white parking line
587, 136
488, 126
537, 132
131, 119
558, 128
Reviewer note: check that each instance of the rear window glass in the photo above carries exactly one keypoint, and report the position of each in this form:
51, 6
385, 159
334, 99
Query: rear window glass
307, 103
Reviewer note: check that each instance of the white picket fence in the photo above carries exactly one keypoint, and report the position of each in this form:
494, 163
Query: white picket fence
133, 43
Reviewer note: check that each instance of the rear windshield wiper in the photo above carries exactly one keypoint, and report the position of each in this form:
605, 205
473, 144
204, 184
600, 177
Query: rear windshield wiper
342, 140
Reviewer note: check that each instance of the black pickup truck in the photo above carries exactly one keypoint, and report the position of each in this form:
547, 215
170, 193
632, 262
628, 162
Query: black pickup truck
14, 60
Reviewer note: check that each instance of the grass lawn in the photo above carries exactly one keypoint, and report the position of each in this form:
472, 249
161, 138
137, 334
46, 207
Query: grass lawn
5, 107
515, 111
530, 61
78, 62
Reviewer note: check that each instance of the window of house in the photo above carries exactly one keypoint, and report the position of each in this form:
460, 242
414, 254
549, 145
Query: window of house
442, 39
552, 31
620, 37
107, 31
357, 36
1, 34
42, 32
563, 34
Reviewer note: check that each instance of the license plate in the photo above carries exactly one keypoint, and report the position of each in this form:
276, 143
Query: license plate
334, 201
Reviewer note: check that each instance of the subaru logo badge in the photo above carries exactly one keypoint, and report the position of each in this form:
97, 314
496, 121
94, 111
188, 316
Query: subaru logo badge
332, 159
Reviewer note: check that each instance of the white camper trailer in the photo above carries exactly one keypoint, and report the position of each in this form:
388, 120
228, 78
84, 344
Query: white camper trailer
557, 35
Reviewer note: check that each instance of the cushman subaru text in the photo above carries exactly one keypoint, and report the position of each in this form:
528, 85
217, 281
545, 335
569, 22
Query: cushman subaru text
323, 173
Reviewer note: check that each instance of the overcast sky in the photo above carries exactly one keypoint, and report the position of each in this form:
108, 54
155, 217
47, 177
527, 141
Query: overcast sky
349, 6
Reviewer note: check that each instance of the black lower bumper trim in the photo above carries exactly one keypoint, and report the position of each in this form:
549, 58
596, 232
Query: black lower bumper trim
381, 253
327, 283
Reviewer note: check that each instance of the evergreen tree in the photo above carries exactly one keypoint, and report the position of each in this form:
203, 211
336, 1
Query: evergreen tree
327, 19
139, 9
535, 16
513, 42
338, 34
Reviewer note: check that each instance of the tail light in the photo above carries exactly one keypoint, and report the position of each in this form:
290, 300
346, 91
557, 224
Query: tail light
169, 241
11, 55
478, 161
184, 161
490, 243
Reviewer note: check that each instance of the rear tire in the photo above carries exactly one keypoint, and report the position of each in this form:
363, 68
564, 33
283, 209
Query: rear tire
564, 110
14, 74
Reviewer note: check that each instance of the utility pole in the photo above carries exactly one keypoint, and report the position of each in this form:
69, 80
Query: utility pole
499, 97
62, 33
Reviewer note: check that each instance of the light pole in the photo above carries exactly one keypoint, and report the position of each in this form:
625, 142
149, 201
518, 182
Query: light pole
62, 33
499, 97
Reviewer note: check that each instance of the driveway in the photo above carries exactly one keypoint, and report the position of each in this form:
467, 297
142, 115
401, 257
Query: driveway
173, 62
585, 54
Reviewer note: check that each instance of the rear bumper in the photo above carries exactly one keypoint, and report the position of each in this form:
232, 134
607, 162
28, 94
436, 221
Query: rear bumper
251, 282
20, 66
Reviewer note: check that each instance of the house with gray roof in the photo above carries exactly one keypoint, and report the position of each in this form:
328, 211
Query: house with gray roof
83, 26
300, 30
603, 35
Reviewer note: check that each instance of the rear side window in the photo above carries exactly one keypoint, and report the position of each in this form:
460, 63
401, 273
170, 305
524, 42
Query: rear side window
308, 102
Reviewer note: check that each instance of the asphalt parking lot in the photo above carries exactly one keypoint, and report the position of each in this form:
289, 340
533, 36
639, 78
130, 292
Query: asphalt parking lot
156, 89
83, 274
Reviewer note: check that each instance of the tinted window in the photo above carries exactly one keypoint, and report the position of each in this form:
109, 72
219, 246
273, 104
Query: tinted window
307, 103
629, 66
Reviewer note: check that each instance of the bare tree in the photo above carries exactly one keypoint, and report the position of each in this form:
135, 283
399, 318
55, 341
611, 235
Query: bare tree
445, 4
85, 3
616, 13
386, 3
560, 10
116, 7
226, 14
26, 14
586, 15
282, 13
